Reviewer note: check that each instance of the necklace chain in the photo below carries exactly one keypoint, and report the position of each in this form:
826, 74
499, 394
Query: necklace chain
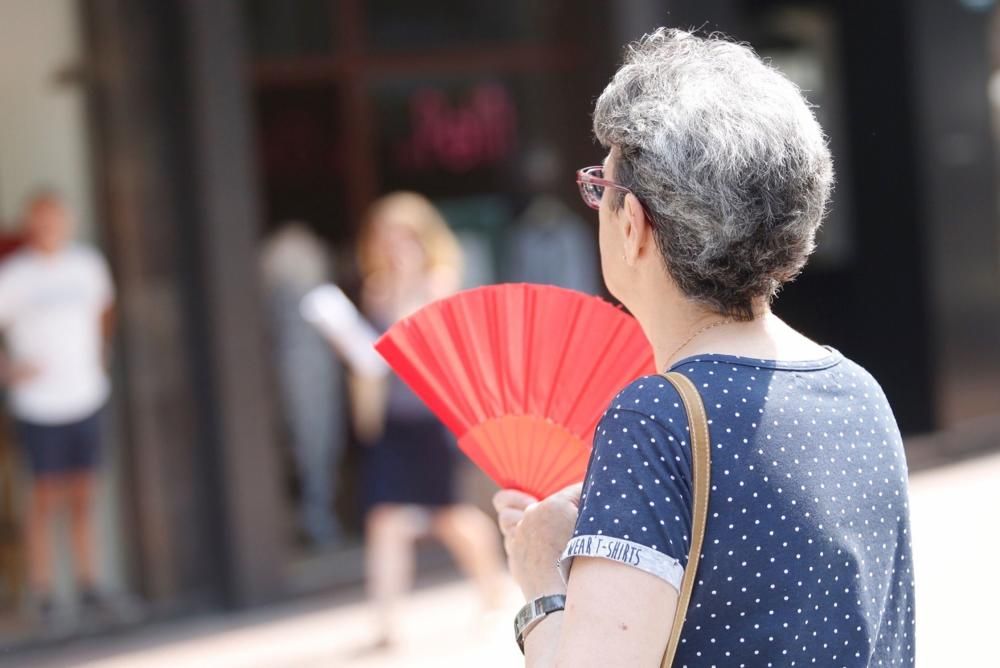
698, 333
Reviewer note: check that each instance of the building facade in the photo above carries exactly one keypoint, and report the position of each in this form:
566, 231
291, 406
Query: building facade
183, 132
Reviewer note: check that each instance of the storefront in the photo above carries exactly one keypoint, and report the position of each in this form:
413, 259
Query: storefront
483, 108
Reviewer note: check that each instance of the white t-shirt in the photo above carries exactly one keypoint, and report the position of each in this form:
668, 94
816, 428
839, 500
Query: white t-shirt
50, 313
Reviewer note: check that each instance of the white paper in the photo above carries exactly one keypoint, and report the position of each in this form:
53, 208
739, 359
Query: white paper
329, 310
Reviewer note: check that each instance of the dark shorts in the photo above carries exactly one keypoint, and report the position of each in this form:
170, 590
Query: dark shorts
56, 449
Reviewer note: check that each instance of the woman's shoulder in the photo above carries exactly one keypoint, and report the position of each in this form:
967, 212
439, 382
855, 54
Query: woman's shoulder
644, 394
655, 394
649, 405
713, 371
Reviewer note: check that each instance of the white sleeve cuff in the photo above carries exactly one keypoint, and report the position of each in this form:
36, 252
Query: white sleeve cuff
625, 552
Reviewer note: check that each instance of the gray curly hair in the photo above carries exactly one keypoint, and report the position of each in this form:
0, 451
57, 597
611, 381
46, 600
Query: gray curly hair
728, 159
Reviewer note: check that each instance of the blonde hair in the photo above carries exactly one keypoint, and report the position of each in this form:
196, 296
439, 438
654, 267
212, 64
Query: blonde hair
418, 215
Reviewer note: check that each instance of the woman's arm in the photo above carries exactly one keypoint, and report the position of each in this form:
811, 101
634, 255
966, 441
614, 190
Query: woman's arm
629, 529
615, 615
369, 401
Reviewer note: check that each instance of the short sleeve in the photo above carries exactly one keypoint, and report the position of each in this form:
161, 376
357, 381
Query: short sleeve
103, 284
636, 503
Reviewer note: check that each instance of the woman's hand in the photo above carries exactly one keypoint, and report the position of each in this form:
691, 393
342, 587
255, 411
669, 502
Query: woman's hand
535, 535
369, 401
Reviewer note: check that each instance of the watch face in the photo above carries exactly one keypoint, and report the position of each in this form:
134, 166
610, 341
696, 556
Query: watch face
536, 610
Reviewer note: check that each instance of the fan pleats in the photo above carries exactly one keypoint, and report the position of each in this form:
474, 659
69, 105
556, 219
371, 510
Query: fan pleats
521, 374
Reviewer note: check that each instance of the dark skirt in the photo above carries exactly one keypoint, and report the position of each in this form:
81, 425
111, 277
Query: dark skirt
412, 463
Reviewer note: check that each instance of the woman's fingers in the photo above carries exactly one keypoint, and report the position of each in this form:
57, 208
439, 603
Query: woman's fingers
571, 493
510, 505
508, 518
512, 498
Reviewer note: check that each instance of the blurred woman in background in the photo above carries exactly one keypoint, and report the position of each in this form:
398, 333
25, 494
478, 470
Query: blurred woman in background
408, 258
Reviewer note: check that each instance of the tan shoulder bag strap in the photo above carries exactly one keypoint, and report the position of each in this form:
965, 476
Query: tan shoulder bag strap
701, 459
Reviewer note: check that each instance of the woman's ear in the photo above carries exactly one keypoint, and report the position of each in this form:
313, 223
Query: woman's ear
636, 231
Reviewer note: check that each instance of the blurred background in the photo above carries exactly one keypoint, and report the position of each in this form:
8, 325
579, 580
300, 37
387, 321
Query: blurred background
184, 136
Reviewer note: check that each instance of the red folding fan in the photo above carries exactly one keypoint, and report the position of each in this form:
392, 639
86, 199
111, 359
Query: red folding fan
521, 374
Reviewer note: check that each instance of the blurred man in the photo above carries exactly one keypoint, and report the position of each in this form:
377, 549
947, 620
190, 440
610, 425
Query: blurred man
294, 261
56, 301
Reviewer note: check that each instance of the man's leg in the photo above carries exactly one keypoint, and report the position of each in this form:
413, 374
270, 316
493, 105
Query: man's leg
82, 461
45, 495
81, 487
307, 382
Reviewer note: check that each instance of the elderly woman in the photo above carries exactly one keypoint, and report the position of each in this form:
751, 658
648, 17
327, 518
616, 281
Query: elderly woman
715, 181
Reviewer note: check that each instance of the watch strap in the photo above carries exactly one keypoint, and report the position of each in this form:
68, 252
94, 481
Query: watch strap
534, 612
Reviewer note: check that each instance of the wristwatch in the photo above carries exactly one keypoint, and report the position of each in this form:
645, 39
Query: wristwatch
533, 613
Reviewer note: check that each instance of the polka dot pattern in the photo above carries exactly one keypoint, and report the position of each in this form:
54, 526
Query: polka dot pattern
807, 557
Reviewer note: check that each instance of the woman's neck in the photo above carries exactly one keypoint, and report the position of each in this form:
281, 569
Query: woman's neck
678, 328
682, 328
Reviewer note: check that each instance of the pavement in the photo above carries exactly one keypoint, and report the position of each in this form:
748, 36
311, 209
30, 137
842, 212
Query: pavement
956, 540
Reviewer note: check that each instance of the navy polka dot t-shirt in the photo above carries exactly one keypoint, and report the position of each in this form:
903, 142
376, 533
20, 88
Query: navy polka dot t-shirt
806, 559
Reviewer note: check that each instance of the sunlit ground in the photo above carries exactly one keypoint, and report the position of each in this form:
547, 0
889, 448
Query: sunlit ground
956, 544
